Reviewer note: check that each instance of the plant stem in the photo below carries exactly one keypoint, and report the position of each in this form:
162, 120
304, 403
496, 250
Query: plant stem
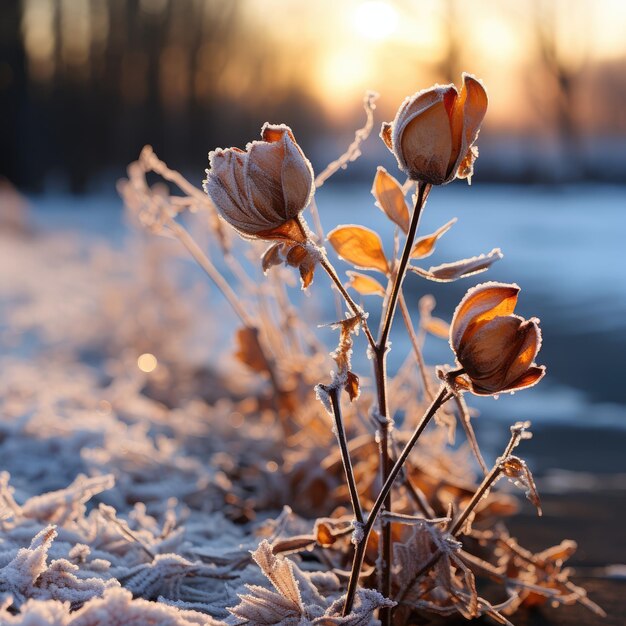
354, 307
489, 479
423, 190
231, 297
380, 371
404, 309
345, 454
205, 263
359, 553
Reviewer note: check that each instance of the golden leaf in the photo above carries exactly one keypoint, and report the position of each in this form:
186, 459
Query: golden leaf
324, 535
365, 285
425, 246
360, 246
390, 198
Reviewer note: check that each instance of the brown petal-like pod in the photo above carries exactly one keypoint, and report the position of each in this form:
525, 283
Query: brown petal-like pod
433, 133
262, 191
495, 347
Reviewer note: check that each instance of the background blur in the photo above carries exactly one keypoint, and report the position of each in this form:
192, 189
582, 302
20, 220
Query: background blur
85, 83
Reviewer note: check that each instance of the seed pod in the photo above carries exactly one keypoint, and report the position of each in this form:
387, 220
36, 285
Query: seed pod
433, 133
262, 191
495, 347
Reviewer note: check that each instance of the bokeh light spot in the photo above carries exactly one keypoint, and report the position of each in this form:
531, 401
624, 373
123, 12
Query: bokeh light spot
147, 362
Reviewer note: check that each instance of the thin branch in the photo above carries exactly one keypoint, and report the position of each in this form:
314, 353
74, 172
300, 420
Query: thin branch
345, 454
354, 307
423, 190
404, 309
465, 419
359, 553
205, 263
353, 151
484, 487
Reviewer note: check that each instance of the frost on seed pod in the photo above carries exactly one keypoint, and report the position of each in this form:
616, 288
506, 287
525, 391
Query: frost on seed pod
495, 347
262, 191
433, 133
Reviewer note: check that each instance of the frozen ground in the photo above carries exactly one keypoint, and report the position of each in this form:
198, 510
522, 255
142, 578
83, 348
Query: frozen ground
133, 490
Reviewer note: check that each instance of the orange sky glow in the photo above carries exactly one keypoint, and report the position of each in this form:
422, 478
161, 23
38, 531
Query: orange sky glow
334, 51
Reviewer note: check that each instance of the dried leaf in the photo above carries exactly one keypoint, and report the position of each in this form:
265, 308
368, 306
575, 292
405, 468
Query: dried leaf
249, 350
425, 246
279, 571
517, 470
303, 257
352, 386
324, 535
360, 246
459, 269
271, 257
365, 285
390, 198
294, 544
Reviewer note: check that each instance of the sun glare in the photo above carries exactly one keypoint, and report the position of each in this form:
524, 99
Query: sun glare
375, 19
344, 72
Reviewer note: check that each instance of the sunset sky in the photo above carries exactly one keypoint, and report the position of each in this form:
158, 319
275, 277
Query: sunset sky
391, 47
550, 66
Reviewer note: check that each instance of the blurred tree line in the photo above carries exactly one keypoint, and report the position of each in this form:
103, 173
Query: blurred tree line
86, 83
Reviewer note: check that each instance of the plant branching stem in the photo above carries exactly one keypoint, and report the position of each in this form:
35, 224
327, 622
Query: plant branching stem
345, 454
231, 297
489, 479
354, 307
380, 371
359, 553
422, 193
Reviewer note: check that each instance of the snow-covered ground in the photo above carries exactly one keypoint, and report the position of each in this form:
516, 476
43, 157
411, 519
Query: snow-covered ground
134, 486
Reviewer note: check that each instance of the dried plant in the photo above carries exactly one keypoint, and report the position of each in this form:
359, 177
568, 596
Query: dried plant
391, 524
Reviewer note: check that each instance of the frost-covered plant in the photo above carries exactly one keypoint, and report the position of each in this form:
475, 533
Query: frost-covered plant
416, 530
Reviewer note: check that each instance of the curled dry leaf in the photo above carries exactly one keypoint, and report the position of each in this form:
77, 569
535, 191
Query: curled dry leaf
517, 470
365, 285
249, 351
449, 272
324, 535
425, 246
304, 257
390, 198
360, 246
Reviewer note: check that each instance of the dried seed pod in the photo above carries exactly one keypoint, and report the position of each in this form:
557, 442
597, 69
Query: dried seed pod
262, 191
495, 347
433, 133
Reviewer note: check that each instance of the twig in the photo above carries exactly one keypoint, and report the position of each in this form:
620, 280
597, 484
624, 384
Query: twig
354, 307
484, 487
404, 309
353, 152
345, 454
359, 553
380, 372
205, 263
